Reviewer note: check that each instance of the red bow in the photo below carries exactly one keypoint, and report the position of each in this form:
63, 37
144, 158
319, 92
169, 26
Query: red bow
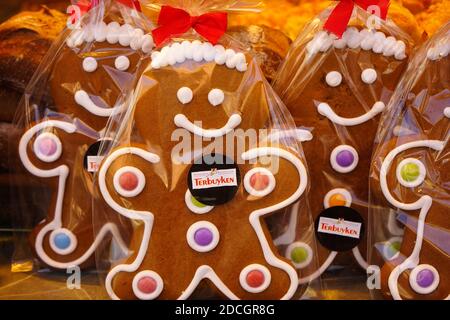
173, 21
340, 16
86, 5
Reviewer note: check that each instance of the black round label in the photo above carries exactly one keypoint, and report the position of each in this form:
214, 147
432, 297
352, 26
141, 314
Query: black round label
92, 158
339, 228
214, 179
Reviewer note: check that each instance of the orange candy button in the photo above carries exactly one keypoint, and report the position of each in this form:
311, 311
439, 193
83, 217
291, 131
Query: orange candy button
255, 278
336, 200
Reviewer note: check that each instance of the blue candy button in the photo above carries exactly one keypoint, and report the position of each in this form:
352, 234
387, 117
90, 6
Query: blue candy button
62, 241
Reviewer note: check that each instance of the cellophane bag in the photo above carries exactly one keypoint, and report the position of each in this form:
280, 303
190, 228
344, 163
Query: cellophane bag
336, 88
205, 161
80, 83
410, 181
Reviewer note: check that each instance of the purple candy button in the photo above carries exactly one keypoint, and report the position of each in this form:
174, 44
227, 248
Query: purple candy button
345, 158
47, 147
425, 278
203, 237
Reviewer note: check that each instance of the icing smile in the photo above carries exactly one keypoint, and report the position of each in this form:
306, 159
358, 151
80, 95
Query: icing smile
83, 99
182, 121
325, 110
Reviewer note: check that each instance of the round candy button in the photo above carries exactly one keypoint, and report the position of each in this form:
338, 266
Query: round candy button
338, 197
62, 241
203, 237
259, 181
128, 181
300, 253
345, 158
147, 285
425, 278
255, 278
47, 147
411, 172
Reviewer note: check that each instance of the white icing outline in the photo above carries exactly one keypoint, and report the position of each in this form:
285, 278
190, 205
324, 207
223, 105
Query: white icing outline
83, 99
204, 271
190, 234
392, 226
182, 121
321, 269
255, 267
129, 193
216, 93
259, 193
325, 110
301, 135
90, 64
447, 112
197, 210
62, 173
304, 245
423, 204
413, 276
70, 235
420, 179
347, 195
335, 165
55, 156
333, 79
359, 258
181, 95
366, 76
147, 296
387, 245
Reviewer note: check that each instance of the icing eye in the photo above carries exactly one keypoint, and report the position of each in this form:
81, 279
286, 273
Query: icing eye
147, 285
337, 198
369, 76
185, 95
424, 279
255, 278
344, 159
203, 236
122, 63
89, 64
300, 254
333, 79
216, 97
47, 147
194, 205
411, 173
129, 181
259, 182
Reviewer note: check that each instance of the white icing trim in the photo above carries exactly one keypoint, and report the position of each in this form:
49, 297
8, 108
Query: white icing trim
301, 135
188, 199
147, 296
447, 112
291, 233
259, 193
62, 173
386, 247
392, 226
321, 269
70, 235
182, 121
423, 204
190, 236
255, 267
129, 193
55, 156
335, 165
413, 276
198, 51
216, 97
122, 63
82, 98
304, 245
354, 38
347, 195
185, 95
420, 179
325, 110
359, 258
333, 78
90, 64
369, 76
145, 216
439, 50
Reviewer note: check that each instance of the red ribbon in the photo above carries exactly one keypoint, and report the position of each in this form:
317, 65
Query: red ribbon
340, 16
86, 5
173, 21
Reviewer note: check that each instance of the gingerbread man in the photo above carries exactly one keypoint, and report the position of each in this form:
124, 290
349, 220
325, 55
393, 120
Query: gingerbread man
411, 174
94, 68
336, 89
189, 232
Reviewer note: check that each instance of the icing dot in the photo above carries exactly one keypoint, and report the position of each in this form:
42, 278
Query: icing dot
128, 181
425, 278
337, 200
333, 78
62, 241
259, 181
47, 147
299, 255
216, 97
410, 172
255, 278
338, 197
369, 76
185, 95
203, 237
122, 63
147, 285
345, 158
447, 112
89, 64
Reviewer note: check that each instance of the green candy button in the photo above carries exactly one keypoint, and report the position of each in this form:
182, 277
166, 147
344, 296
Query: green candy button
196, 203
410, 172
299, 255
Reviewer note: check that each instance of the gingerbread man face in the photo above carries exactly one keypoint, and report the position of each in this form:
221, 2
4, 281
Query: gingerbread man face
182, 241
94, 68
337, 90
412, 166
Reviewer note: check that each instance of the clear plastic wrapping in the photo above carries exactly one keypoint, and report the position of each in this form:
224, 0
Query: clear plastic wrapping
336, 89
410, 190
203, 153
